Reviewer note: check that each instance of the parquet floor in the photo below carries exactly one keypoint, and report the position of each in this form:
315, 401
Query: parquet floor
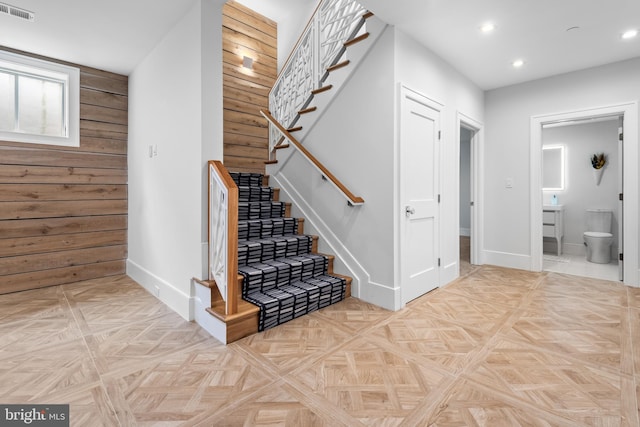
497, 347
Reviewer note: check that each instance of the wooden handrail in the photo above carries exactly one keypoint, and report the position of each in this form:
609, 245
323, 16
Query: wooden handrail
231, 264
352, 200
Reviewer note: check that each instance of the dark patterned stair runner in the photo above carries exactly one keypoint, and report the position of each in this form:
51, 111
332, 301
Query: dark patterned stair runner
280, 274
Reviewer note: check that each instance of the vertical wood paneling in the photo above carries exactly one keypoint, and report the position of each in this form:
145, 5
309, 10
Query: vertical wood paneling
246, 92
63, 211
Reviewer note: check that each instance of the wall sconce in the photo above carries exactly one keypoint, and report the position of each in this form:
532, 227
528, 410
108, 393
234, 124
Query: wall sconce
247, 62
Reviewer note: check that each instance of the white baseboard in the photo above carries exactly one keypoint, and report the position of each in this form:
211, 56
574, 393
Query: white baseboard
449, 273
574, 249
508, 260
161, 289
381, 295
201, 302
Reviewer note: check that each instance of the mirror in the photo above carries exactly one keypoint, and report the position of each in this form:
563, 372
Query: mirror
553, 167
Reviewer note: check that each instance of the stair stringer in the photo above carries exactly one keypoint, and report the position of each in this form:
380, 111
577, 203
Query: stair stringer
362, 286
338, 79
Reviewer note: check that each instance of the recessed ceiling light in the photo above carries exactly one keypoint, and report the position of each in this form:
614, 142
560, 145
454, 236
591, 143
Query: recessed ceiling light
488, 27
629, 34
517, 63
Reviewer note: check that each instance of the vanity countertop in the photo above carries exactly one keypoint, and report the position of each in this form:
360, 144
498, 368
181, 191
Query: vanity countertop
552, 207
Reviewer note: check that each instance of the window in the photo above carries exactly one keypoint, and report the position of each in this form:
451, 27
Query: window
39, 101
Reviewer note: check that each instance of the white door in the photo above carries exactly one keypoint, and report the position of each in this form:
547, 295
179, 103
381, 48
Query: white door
419, 172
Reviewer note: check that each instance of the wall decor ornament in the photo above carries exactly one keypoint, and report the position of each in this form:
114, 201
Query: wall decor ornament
598, 161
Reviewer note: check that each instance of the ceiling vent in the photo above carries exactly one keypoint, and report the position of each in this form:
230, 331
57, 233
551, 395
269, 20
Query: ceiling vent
17, 12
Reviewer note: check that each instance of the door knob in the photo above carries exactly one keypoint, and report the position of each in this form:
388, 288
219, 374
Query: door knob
409, 211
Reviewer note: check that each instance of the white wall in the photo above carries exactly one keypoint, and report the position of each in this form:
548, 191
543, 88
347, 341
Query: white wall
581, 141
421, 70
175, 105
291, 16
508, 113
354, 139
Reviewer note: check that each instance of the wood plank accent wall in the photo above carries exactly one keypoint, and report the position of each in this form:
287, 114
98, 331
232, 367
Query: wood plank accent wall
246, 92
63, 211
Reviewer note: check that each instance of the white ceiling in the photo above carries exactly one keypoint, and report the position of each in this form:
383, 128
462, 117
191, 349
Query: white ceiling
112, 35
534, 30
117, 35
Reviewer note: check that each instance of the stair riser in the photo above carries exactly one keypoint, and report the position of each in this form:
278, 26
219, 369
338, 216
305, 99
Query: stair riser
255, 194
247, 179
280, 272
260, 210
278, 247
265, 228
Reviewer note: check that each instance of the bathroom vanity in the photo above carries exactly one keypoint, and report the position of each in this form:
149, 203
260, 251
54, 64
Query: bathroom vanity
552, 225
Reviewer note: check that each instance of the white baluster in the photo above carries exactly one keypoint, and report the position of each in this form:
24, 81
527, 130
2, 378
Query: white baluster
218, 232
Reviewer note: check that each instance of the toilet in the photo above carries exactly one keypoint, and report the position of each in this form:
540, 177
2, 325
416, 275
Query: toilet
598, 238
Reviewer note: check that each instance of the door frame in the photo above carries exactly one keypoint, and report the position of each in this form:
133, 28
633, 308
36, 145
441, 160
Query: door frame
402, 91
477, 184
629, 111
621, 202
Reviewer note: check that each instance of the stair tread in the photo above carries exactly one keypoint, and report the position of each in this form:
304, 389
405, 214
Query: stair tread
307, 110
356, 40
321, 89
245, 308
338, 65
278, 238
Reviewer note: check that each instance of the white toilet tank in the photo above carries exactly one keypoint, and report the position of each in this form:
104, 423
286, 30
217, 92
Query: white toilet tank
599, 220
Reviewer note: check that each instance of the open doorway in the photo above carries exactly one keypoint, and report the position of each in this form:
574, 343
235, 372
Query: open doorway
465, 200
581, 183
628, 183
469, 149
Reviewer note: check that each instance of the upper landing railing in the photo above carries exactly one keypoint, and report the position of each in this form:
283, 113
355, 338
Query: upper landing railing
320, 47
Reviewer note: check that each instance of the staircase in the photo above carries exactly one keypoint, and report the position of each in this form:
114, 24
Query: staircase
282, 272
281, 276
263, 271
